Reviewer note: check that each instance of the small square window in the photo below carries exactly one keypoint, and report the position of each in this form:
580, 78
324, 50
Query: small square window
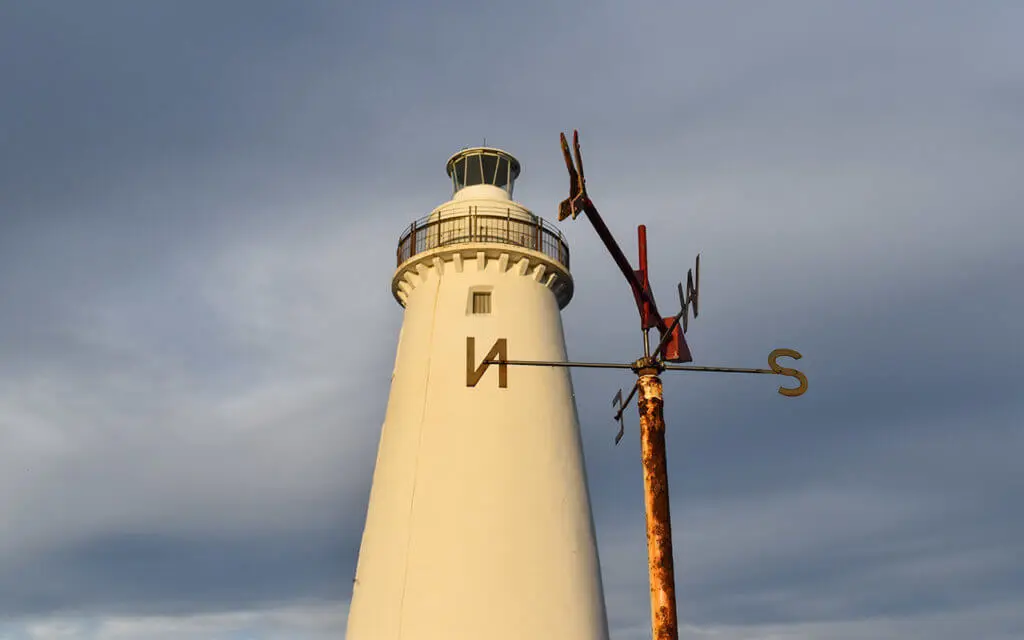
481, 302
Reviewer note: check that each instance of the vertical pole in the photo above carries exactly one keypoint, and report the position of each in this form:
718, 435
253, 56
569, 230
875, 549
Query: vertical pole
664, 624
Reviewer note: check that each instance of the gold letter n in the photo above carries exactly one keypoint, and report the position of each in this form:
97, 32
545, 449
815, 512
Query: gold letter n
498, 352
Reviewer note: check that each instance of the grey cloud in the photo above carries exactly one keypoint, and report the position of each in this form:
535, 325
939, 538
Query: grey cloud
139, 573
195, 205
308, 620
821, 555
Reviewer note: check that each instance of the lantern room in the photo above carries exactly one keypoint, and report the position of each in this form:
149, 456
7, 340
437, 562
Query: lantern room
482, 172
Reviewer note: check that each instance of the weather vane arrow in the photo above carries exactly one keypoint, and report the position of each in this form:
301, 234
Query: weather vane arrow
668, 355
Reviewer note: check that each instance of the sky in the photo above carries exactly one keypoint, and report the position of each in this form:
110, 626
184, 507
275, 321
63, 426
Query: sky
199, 210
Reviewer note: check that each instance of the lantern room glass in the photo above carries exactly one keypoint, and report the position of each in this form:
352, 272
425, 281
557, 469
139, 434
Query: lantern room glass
483, 167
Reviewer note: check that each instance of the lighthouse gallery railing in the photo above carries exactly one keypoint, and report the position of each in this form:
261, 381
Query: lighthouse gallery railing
464, 224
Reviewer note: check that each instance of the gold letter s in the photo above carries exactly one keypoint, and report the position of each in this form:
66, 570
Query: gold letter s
801, 378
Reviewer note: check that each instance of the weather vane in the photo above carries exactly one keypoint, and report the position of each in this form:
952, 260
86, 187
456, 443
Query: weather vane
668, 355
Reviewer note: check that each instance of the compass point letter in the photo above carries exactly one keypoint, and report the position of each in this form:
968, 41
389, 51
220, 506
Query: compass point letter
793, 373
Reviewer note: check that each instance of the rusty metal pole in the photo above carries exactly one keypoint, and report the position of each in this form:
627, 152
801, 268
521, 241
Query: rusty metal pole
664, 623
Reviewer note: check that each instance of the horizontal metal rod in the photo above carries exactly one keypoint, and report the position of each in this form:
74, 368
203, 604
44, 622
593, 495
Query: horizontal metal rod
555, 363
680, 367
619, 365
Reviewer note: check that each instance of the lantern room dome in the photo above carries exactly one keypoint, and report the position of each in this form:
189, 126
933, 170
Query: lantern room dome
482, 172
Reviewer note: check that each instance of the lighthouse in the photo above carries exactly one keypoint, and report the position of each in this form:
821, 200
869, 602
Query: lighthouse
479, 522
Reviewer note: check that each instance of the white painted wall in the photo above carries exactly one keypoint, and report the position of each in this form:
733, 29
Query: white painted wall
479, 523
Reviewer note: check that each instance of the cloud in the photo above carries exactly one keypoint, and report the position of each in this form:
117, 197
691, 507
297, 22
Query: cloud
197, 224
1000, 622
302, 621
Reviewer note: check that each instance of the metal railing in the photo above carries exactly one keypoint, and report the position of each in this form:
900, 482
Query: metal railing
464, 224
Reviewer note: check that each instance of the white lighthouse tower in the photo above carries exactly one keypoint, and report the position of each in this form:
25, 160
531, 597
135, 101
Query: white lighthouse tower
479, 522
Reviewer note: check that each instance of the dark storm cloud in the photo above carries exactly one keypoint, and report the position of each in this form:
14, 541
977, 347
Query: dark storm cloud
198, 211
98, 93
135, 573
